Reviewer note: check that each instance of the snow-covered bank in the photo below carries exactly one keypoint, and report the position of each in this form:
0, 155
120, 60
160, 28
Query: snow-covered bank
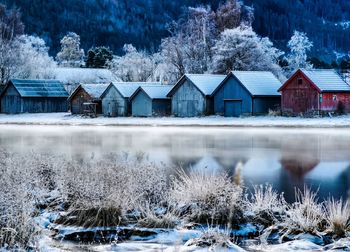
212, 121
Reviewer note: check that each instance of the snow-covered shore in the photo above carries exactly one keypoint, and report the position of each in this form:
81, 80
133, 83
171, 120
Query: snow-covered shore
211, 121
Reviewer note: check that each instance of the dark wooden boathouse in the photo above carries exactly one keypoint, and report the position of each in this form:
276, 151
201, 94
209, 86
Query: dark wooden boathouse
192, 95
86, 94
33, 96
247, 93
151, 100
116, 98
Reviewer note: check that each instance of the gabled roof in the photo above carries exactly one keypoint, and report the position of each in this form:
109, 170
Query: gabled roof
259, 83
94, 90
126, 89
154, 91
324, 80
39, 88
205, 83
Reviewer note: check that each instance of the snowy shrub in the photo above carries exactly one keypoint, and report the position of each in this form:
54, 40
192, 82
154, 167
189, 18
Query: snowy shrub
265, 205
337, 216
92, 217
17, 201
206, 198
214, 238
158, 218
305, 214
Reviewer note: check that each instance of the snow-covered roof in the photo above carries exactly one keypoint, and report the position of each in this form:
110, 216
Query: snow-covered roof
39, 88
126, 89
83, 75
326, 80
206, 83
95, 90
259, 83
157, 91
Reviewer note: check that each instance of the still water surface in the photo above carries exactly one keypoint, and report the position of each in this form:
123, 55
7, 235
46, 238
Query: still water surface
285, 158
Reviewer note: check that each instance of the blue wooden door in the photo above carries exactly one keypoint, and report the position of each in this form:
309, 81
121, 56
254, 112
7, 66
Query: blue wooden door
233, 108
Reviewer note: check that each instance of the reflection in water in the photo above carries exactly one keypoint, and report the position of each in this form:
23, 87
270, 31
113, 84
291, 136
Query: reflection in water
285, 158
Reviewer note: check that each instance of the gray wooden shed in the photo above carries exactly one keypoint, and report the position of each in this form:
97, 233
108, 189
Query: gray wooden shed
86, 93
33, 96
151, 100
247, 93
116, 98
192, 94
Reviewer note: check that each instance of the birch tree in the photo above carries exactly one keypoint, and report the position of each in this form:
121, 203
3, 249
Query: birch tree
299, 46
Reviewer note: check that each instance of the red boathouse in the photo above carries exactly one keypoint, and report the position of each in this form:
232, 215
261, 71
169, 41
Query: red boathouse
312, 92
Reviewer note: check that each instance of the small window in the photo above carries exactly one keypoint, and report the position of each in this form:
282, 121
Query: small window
334, 97
320, 98
300, 81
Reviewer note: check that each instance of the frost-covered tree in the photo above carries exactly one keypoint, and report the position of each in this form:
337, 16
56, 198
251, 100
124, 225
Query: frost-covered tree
10, 28
189, 49
171, 51
198, 33
34, 60
299, 46
134, 65
70, 54
242, 49
26, 57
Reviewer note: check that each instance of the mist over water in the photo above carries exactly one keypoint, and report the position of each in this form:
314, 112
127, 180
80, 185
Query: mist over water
285, 158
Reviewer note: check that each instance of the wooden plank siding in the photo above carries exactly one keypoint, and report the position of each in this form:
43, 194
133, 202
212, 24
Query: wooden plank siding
77, 101
331, 102
141, 105
13, 103
232, 90
188, 101
302, 96
114, 104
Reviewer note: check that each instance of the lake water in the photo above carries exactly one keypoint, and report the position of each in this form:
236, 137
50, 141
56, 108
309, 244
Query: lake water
285, 158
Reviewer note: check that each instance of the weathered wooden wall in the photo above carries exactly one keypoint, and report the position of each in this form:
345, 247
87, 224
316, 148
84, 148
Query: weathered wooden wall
299, 98
329, 104
141, 105
76, 102
114, 104
232, 90
188, 101
13, 103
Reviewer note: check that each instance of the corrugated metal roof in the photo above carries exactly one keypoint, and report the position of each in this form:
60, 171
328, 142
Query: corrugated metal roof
327, 80
39, 88
157, 91
95, 90
259, 83
206, 83
128, 88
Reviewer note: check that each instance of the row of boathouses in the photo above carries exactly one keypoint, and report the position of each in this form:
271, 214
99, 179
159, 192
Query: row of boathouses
306, 92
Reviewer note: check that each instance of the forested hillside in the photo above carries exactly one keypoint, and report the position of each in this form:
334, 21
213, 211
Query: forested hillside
144, 22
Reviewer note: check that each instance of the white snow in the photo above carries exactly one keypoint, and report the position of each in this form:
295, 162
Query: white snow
213, 121
295, 246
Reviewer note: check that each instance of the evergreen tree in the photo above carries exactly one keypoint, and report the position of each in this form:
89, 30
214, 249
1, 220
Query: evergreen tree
99, 57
